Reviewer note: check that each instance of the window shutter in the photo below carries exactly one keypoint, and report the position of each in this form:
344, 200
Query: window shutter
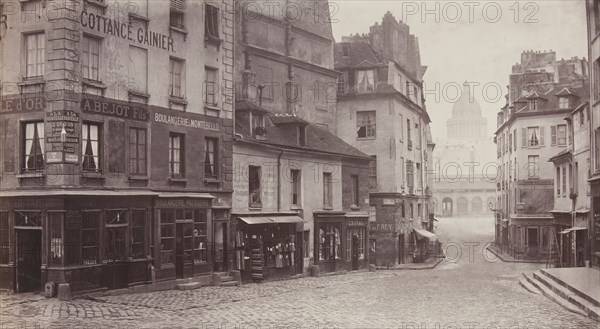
553, 135
542, 135
524, 137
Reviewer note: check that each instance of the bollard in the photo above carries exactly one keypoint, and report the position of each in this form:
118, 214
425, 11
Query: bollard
237, 276
315, 271
64, 291
372, 267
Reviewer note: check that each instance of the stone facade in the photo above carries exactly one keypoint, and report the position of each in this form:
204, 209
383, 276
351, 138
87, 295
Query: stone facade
108, 152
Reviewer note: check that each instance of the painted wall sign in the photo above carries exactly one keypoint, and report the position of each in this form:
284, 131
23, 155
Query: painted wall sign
183, 203
124, 30
114, 109
22, 104
185, 122
56, 121
381, 227
357, 223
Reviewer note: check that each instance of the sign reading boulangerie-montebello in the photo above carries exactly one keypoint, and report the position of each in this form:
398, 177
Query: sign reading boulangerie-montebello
114, 109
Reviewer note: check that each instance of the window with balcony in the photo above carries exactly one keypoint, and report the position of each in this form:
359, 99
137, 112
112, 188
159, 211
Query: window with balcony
533, 165
33, 146
91, 146
210, 158
254, 190
365, 121
35, 59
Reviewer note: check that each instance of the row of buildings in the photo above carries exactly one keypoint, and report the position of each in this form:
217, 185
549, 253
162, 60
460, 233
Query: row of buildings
548, 205
146, 141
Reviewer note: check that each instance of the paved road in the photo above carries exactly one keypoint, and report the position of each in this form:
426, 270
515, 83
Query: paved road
468, 290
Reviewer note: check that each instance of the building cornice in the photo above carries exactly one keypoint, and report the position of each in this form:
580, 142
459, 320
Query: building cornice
529, 114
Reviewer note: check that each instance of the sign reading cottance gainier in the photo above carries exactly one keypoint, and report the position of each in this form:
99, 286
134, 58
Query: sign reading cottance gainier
125, 31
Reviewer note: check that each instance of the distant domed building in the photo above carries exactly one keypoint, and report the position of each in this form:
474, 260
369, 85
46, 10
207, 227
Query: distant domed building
464, 163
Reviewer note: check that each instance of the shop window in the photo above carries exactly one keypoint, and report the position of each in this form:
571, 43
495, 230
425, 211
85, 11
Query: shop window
210, 158
212, 21
90, 133
176, 155
327, 190
4, 238
365, 121
72, 238
254, 173
210, 86
329, 243
116, 225
200, 236
138, 220
35, 60
33, 146
355, 197
176, 78
360, 233
296, 182
89, 237
28, 219
90, 58
137, 151
55, 224
167, 236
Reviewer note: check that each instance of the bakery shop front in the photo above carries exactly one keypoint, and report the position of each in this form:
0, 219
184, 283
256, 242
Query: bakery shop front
340, 241
268, 247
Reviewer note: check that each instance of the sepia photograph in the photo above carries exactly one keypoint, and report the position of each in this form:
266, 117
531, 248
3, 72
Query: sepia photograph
299, 164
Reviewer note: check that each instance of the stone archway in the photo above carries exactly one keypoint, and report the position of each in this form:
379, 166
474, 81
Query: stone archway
462, 206
447, 207
476, 206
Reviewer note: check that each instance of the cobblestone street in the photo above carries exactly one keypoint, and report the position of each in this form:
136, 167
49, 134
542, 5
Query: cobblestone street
469, 289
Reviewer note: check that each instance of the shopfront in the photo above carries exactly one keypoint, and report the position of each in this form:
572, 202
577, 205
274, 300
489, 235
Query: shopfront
183, 235
268, 247
340, 241
425, 244
93, 240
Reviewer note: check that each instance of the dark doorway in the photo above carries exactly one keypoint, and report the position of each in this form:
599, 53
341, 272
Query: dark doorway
354, 251
401, 248
116, 254
29, 260
220, 246
299, 253
179, 251
532, 237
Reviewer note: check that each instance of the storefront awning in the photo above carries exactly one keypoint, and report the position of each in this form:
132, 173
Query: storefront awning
582, 210
272, 220
422, 233
576, 228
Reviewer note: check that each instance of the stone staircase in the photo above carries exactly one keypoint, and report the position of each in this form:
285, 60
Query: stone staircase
558, 291
225, 279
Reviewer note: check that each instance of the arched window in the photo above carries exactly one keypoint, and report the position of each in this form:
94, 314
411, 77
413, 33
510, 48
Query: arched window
476, 205
462, 206
447, 207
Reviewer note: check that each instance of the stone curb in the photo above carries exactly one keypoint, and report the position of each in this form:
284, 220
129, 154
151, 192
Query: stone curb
427, 267
511, 260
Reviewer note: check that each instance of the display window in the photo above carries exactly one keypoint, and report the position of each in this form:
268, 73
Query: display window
329, 245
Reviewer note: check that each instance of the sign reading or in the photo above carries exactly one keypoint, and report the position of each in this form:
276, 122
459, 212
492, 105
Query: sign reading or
22, 104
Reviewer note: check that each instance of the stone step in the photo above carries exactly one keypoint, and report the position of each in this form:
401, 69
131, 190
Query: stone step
524, 282
229, 284
226, 278
581, 294
189, 285
553, 296
560, 294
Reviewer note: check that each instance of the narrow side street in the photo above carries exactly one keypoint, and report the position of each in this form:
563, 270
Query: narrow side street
465, 290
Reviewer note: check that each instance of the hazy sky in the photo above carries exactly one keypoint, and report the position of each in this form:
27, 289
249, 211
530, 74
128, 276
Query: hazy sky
470, 43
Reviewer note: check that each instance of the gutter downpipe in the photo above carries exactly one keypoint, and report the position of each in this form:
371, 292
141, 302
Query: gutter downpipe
279, 181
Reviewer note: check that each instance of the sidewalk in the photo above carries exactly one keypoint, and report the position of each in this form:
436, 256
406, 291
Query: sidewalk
427, 265
506, 257
584, 281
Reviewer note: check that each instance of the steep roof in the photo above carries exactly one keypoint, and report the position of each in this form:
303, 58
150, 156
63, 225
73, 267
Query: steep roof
318, 138
359, 54
578, 92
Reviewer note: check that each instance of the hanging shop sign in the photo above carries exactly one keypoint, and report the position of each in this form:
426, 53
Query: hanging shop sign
124, 30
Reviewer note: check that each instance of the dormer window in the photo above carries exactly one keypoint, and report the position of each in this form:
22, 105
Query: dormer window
533, 105
366, 81
345, 49
258, 124
301, 133
563, 103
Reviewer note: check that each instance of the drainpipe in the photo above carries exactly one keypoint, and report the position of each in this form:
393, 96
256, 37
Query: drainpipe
279, 181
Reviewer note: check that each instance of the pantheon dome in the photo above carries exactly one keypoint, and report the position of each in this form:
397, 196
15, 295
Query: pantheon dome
466, 121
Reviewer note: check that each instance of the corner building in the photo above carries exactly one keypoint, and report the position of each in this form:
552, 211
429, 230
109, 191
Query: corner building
116, 142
